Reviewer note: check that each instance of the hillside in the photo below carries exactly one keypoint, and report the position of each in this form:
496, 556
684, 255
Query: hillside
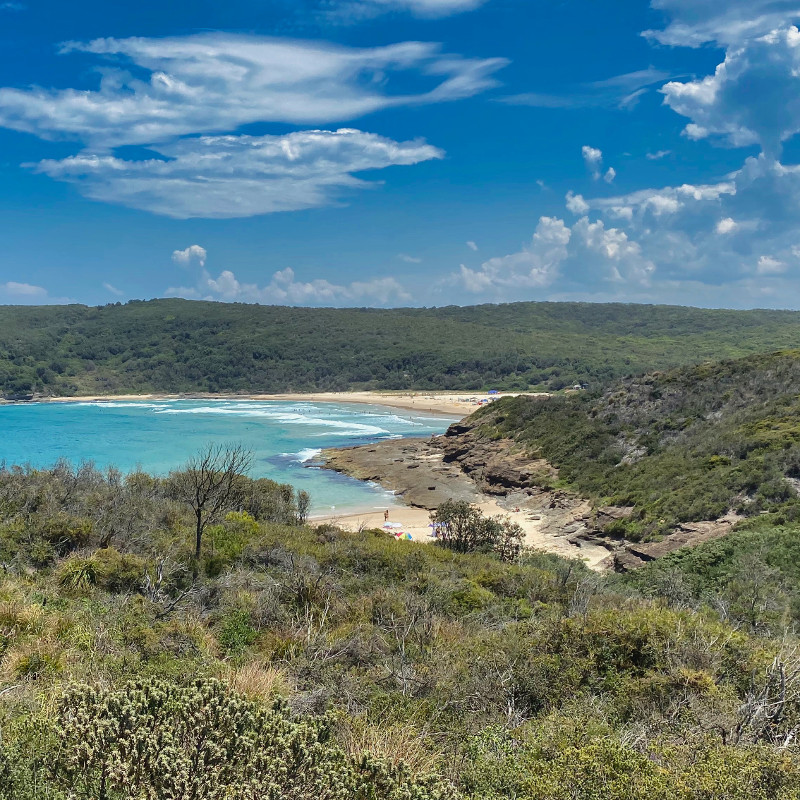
302, 663
183, 346
675, 447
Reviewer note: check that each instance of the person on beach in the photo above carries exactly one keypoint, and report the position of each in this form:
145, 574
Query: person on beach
386, 515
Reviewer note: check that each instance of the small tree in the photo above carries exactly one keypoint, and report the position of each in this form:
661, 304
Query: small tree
212, 484
462, 527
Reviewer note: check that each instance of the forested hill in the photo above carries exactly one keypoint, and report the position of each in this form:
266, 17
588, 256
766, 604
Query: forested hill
179, 345
682, 446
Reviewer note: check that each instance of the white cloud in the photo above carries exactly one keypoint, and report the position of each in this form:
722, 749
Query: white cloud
154, 90
354, 10
113, 289
239, 176
622, 258
283, 287
753, 97
20, 293
191, 255
593, 159
409, 259
725, 226
767, 265
472, 246
576, 204
536, 266
658, 155
611, 173
697, 22
23, 290
621, 91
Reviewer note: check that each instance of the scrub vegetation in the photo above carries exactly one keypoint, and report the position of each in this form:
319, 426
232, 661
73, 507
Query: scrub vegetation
298, 662
175, 346
680, 446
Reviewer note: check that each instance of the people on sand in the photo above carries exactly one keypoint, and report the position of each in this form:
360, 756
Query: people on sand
386, 515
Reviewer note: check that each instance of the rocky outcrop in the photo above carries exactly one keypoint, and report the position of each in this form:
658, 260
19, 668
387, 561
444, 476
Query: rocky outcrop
413, 468
633, 555
498, 466
466, 464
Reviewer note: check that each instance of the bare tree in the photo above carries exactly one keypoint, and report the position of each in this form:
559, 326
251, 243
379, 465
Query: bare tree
211, 484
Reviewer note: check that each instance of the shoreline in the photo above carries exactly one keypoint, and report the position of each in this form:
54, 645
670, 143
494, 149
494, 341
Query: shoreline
445, 404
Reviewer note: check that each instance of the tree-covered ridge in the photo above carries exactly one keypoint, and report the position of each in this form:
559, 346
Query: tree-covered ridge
183, 346
406, 671
685, 445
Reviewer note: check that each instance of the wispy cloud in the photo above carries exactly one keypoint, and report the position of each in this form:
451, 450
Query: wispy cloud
29, 294
620, 91
409, 259
359, 10
239, 176
218, 82
113, 289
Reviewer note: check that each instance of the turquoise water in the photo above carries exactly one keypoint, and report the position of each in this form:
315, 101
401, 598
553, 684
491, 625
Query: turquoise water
160, 435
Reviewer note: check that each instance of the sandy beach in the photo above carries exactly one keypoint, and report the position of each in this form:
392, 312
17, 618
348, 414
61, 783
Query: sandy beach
416, 521
450, 404
412, 520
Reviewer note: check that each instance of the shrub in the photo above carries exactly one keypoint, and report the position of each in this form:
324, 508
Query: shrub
156, 739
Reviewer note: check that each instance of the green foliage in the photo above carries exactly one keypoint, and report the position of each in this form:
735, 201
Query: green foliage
123, 676
462, 527
681, 446
182, 346
154, 739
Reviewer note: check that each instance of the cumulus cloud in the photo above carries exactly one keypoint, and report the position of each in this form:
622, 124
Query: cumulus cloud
753, 97
153, 90
576, 204
593, 159
610, 175
239, 176
472, 246
535, 266
725, 226
768, 265
194, 254
283, 287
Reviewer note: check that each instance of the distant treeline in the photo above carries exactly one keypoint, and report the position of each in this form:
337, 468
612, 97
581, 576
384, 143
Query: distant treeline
184, 346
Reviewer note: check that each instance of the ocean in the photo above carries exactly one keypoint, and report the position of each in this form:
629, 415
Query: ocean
160, 435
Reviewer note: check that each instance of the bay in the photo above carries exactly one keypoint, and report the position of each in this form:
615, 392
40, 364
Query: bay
160, 435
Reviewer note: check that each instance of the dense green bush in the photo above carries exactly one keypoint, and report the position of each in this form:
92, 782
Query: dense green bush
682, 446
183, 346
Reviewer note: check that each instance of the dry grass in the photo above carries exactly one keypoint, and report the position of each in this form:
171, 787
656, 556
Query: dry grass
258, 681
393, 743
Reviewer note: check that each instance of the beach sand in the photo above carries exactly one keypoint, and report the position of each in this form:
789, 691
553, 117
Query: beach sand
450, 404
416, 521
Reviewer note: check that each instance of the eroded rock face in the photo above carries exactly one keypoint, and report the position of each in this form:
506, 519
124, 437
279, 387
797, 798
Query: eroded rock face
496, 465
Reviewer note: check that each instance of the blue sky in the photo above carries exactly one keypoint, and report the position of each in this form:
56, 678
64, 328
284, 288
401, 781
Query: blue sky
400, 152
